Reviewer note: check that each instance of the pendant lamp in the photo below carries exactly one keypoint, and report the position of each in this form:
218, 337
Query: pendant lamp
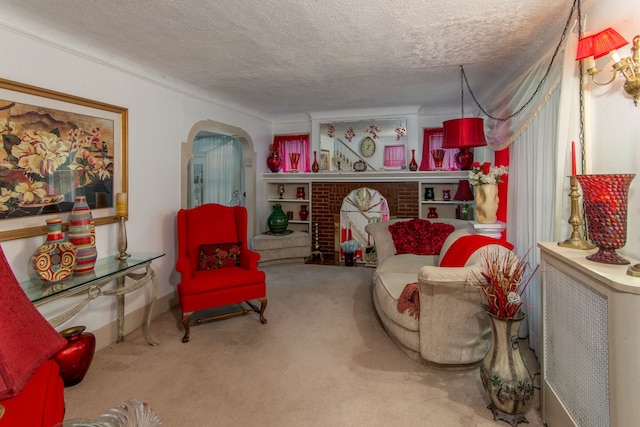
463, 134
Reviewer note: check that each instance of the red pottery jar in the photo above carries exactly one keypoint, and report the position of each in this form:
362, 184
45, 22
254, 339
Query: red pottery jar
75, 358
274, 162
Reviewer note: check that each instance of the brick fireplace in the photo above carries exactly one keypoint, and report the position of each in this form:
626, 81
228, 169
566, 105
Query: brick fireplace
327, 197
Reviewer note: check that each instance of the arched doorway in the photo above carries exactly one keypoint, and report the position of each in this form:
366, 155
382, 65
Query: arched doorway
248, 161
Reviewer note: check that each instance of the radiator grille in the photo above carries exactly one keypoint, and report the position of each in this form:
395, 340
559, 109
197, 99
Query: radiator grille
576, 348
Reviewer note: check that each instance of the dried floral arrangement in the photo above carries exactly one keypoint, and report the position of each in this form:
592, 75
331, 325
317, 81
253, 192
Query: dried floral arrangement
503, 280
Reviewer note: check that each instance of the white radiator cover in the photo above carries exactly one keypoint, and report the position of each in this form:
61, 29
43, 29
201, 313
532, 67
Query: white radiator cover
591, 341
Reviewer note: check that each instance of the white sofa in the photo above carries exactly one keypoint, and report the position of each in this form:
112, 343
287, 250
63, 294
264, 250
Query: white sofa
452, 330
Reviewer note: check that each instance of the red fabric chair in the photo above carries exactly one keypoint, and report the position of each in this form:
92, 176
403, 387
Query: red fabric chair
202, 289
31, 390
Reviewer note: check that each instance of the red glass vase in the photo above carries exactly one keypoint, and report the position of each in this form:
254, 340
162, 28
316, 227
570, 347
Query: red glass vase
413, 165
605, 201
300, 194
274, 162
75, 358
304, 212
315, 167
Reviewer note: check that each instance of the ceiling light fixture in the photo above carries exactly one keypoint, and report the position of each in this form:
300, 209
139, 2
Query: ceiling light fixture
607, 42
463, 133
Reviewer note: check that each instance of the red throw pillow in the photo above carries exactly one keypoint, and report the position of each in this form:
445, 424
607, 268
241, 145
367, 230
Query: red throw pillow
219, 255
27, 339
419, 236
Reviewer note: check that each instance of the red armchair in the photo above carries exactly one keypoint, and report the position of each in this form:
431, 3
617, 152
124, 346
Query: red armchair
217, 267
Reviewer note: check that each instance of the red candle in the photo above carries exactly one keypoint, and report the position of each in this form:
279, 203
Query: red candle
573, 158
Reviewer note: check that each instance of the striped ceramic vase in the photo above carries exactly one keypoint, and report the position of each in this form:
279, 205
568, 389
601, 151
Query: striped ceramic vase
82, 234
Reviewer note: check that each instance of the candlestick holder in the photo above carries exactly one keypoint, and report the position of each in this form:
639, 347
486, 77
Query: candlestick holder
316, 247
575, 220
122, 240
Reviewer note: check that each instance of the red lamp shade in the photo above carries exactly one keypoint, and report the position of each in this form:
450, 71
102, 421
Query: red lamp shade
464, 192
464, 133
606, 41
585, 48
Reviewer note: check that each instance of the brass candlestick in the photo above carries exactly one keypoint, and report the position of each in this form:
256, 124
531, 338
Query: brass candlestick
575, 241
122, 240
316, 247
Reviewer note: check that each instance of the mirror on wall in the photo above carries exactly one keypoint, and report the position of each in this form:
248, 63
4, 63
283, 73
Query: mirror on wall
364, 145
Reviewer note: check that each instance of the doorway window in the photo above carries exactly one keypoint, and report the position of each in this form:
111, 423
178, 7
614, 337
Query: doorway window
216, 170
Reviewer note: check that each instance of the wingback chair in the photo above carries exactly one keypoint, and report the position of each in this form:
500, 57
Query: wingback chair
217, 267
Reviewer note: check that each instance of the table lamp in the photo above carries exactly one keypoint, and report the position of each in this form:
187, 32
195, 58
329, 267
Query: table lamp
464, 193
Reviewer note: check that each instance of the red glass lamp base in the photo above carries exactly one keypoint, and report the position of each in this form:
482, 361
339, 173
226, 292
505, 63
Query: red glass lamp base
464, 159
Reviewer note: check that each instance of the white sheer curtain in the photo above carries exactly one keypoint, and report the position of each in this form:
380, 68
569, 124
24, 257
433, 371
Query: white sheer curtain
539, 139
531, 202
223, 170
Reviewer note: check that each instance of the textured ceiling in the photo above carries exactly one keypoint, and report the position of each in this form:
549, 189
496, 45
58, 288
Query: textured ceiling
283, 57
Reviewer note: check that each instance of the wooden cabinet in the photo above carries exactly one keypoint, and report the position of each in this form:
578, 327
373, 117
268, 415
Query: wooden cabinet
294, 197
441, 189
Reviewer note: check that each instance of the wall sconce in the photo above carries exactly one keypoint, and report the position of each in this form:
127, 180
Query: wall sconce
606, 43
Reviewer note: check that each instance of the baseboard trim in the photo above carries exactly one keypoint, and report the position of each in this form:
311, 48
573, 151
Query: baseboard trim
133, 320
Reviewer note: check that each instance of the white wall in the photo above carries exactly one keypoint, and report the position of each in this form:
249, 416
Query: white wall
160, 119
613, 128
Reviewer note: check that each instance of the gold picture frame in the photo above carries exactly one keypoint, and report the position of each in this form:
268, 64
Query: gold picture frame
55, 147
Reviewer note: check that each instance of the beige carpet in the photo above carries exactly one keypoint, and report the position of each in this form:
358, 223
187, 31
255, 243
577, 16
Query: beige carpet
322, 360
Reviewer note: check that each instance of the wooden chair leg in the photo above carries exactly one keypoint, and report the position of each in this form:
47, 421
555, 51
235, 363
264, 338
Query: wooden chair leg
263, 307
186, 317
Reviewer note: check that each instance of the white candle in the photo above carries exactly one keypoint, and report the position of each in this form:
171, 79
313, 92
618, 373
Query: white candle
616, 57
121, 204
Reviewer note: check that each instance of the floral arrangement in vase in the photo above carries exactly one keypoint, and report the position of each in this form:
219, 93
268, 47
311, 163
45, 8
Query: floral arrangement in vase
502, 281
350, 246
485, 174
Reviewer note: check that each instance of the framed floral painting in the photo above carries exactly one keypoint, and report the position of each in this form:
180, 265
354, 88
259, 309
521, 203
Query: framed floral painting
56, 147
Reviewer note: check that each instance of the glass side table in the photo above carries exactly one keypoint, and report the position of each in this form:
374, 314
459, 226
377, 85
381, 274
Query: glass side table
91, 285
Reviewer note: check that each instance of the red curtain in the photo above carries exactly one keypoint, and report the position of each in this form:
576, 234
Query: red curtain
285, 144
502, 159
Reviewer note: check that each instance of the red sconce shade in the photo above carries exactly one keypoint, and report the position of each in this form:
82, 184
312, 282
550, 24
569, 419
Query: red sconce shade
585, 48
606, 41
464, 133
464, 192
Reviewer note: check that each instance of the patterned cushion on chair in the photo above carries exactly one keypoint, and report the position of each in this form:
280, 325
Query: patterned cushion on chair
219, 255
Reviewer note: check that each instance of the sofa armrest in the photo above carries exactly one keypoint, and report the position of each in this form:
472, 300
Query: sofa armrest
454, 330
382, 238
